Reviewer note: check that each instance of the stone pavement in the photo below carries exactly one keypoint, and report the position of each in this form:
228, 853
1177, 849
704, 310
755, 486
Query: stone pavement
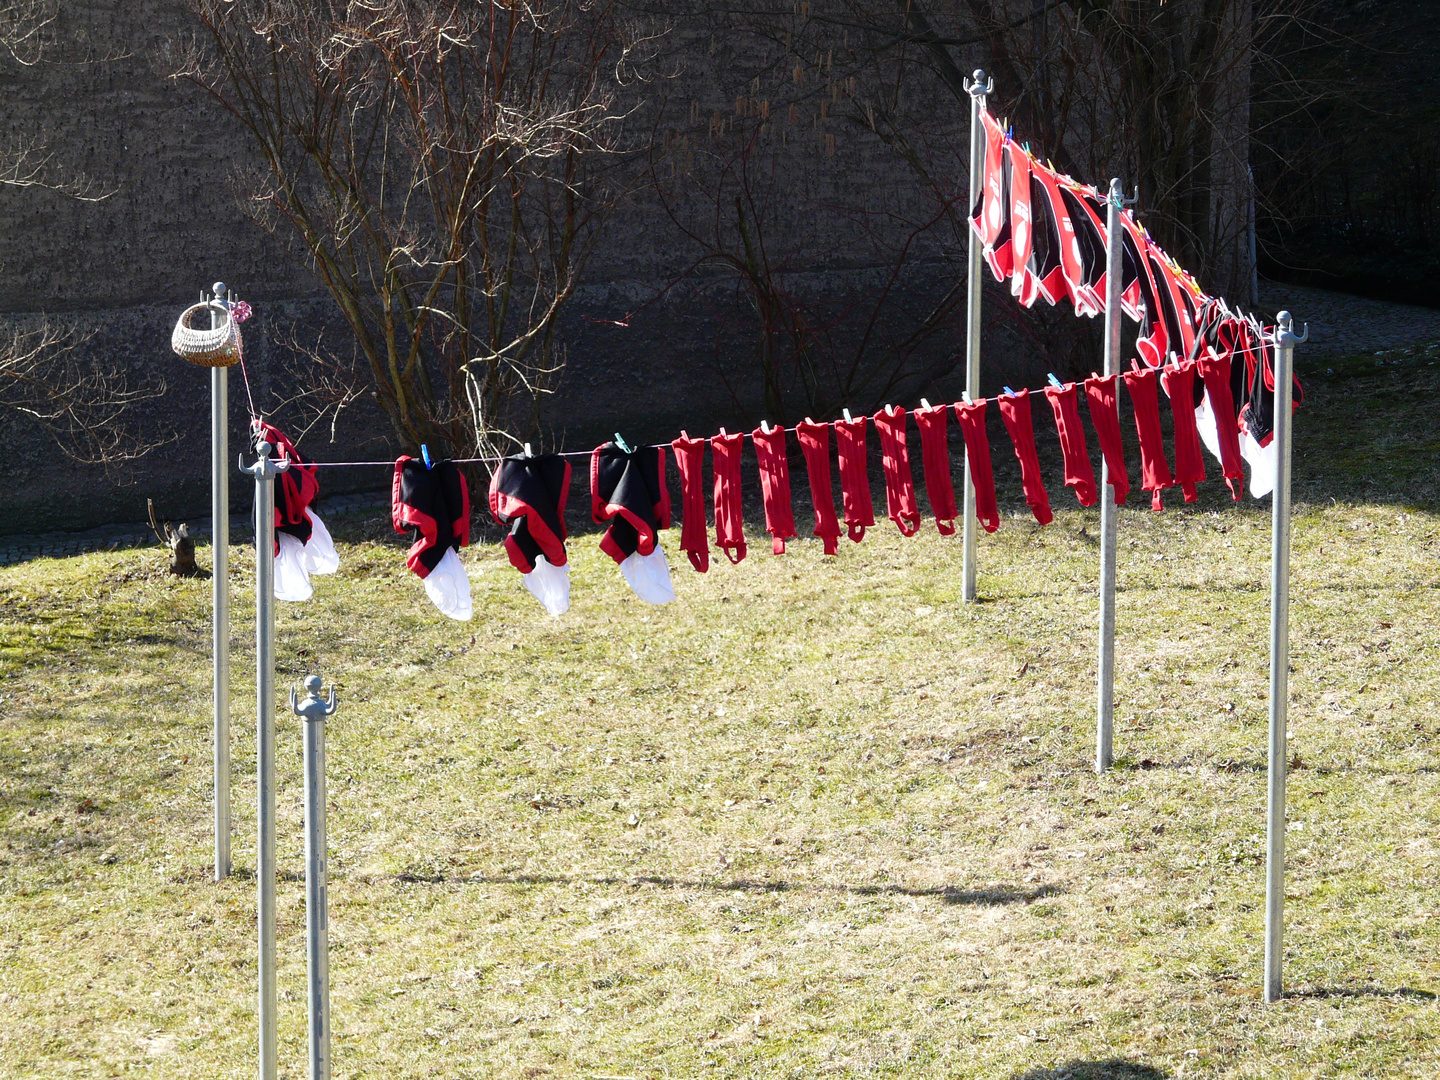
1339, 325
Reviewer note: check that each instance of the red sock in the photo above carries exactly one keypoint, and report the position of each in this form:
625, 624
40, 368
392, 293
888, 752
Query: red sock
1015, 411
899, 484
977, 452
854, 479
1179, 383
1215, 370
815, 442
1154, 470
1079, 473
1101, 391
729, 513
775, 485
694, 540
935, 450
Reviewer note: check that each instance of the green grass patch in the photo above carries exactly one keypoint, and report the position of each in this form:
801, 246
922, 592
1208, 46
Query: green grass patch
816, 817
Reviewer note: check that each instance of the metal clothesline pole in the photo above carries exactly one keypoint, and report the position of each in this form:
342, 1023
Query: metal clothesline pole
264, 471
1109, 517
220, 591
1285, 342
978, 88
313, 709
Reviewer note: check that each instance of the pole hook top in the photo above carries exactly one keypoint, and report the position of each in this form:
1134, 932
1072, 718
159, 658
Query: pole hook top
1285, 331
312, 706
979, 85
263, 468
1117, 195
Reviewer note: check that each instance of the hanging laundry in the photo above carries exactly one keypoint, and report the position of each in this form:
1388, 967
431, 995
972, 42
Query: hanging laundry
1015, 412
899, 483
529, 495
1145, 400
854, 477
694, 539
302, 542
1215, 418
1178, 380
1069, 253
1174, 302
729, 511
815, 442
1024, 286
1085, 211
627, 489
1101, 391
977, 452
1257, 414
987, 216
935, 453
1079, 473
770, 454
434, 504
1152, 342
1044, 272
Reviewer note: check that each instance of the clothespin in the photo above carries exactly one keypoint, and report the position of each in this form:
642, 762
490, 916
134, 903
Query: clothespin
684, 434
1009, 392
889, 410
965, 397
425, 454
1055, 382
924, 403
528, 451
625, 447
847, 415
765, 426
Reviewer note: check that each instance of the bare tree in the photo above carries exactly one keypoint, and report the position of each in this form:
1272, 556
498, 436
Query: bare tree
445, 169
47, 369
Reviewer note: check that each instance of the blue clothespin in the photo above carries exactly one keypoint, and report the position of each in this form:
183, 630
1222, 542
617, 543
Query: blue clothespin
1009, 392
622, 444
1056, 382
425, 454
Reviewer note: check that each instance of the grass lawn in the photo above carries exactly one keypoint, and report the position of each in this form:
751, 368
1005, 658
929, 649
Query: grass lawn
816, 817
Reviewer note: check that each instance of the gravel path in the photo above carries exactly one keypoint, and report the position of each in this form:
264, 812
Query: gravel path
1339, 325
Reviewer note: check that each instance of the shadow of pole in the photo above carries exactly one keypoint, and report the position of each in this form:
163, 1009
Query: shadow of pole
1112, 1069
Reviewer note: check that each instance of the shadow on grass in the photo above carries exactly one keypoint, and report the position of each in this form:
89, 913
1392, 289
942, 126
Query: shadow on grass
1318, 992
993, 895
1113, 1069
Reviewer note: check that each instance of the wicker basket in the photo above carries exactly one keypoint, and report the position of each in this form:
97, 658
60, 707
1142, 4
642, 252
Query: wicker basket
208, 348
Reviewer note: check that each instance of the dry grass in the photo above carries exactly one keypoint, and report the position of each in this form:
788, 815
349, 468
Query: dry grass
816, 817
